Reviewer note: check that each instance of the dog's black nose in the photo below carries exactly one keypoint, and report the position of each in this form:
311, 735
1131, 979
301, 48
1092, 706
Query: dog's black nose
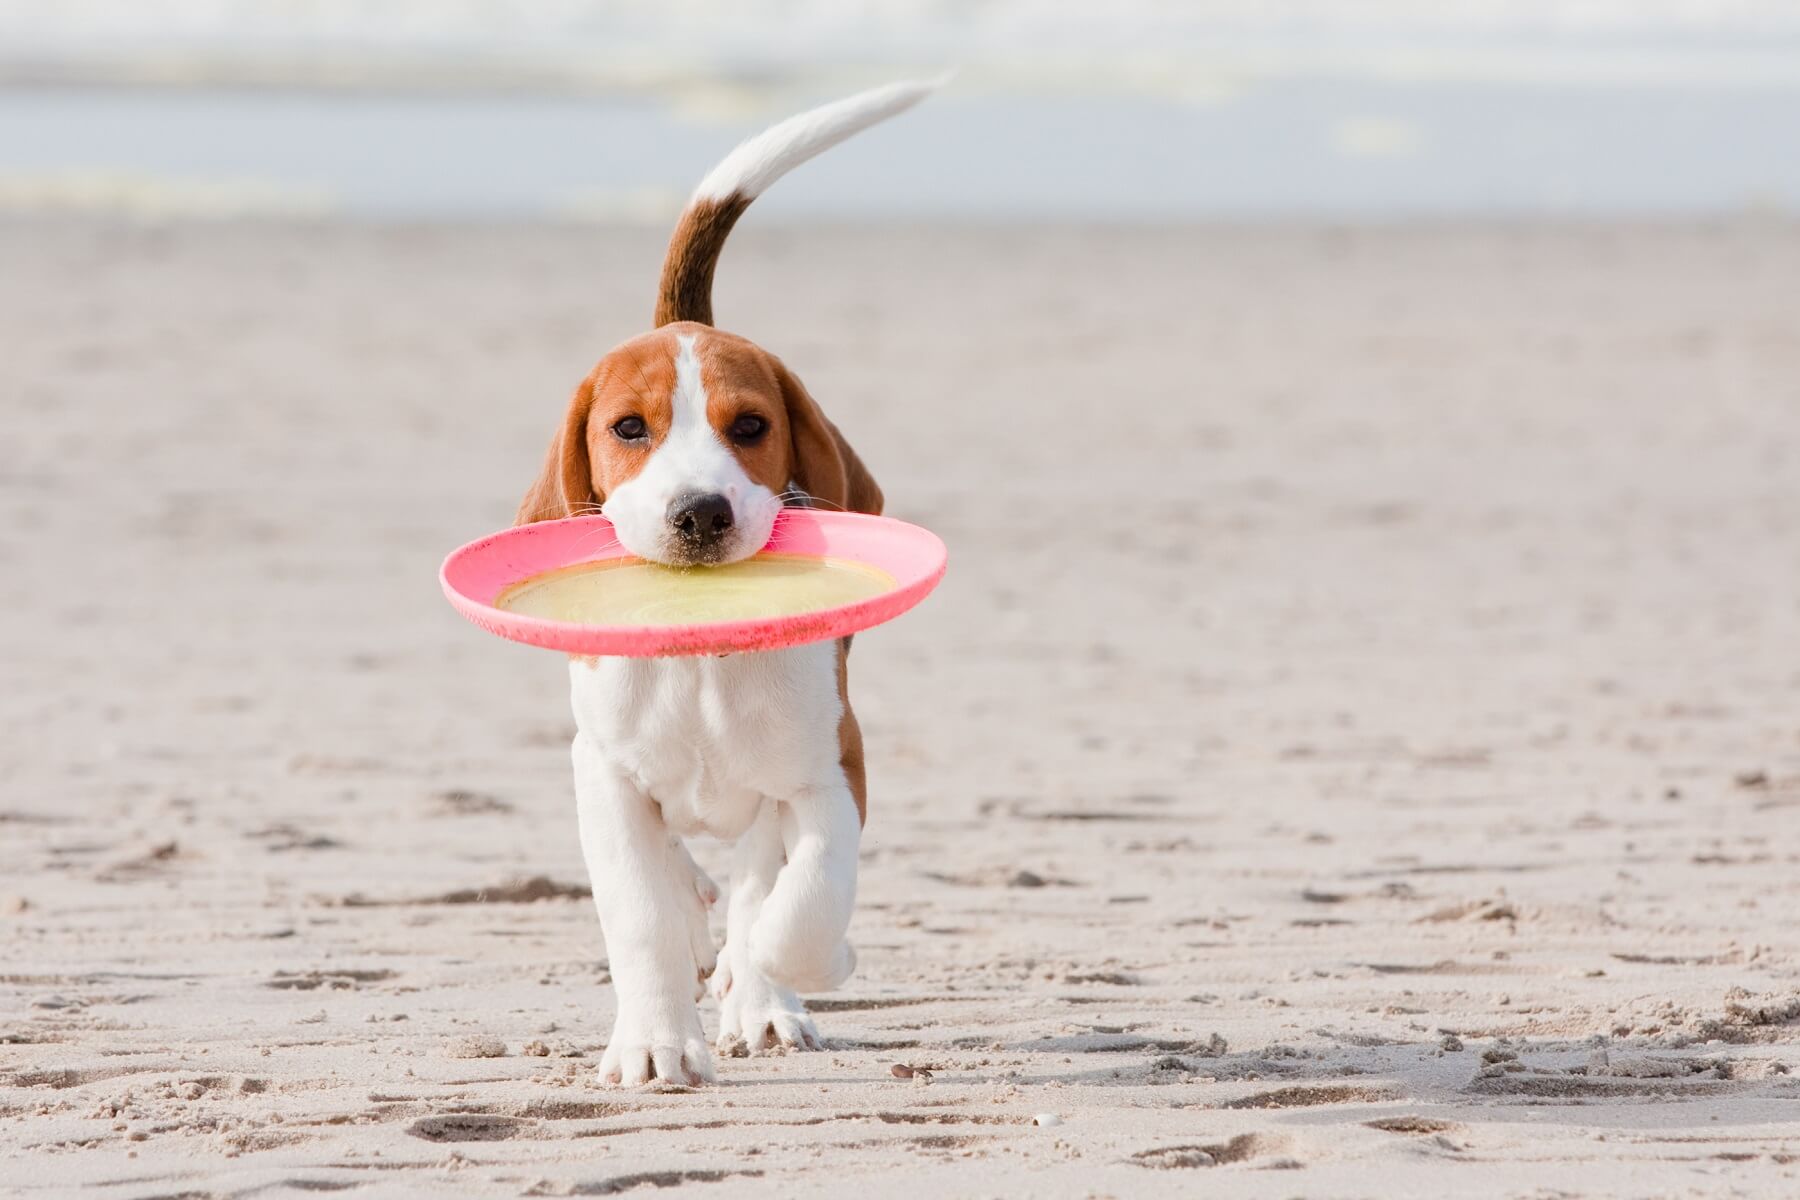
700, 518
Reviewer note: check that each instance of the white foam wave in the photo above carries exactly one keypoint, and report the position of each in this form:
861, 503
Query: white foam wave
654, 45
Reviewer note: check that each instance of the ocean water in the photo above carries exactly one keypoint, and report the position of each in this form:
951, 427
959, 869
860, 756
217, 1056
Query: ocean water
1138, 111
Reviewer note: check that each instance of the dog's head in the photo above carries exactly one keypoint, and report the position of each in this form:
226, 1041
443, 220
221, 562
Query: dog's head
690, 440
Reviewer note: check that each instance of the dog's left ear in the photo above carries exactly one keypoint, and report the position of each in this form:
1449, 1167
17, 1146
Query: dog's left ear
565, 486
825, 467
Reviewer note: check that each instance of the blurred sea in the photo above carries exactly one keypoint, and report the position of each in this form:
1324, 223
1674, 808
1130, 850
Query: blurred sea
1132, 111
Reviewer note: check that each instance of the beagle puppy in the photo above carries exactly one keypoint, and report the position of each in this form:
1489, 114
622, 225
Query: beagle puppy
690, 440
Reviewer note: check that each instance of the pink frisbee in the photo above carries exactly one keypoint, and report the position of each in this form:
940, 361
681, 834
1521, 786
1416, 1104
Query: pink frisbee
895, 564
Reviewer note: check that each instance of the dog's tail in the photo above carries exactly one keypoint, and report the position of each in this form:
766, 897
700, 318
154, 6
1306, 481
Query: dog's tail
744, 174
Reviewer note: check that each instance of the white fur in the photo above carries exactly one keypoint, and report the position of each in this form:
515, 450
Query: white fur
691, 457
749, 170
739, 747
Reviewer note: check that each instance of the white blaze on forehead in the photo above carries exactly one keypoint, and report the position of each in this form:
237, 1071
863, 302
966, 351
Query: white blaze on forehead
693, 457
689, 401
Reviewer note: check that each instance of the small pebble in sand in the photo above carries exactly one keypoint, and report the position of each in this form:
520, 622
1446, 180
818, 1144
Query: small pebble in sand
535, 1049
1045, 1120
903, 1071
475, 1047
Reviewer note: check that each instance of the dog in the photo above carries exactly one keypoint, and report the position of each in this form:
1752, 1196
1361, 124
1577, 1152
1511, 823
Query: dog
691, 440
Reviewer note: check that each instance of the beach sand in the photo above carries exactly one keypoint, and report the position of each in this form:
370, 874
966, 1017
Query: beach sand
1355, 752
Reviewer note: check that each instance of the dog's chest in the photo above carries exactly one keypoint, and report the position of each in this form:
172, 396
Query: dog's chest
709, 738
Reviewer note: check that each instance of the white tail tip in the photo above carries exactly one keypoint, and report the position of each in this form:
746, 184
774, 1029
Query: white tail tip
748, 170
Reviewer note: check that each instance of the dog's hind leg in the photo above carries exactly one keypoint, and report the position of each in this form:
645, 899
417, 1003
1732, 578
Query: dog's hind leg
706, 894
755, 1012
644, 888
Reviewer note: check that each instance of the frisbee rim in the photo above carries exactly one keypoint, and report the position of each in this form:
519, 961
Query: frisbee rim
466, 575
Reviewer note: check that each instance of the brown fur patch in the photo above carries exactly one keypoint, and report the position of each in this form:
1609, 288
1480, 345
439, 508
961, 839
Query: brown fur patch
850, 745
686, 290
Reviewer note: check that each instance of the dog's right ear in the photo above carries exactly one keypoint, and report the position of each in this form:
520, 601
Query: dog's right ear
565, 487
824, 465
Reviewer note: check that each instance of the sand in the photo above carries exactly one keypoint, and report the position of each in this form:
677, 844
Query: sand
1356, 750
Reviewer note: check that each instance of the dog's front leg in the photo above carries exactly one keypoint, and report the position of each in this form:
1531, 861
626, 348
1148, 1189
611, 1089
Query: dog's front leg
798, 937
643, 887
755, 1012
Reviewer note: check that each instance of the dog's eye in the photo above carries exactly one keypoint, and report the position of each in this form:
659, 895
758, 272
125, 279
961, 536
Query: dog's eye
748, 428
630, 429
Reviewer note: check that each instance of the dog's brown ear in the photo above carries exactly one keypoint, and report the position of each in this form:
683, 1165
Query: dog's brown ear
565, 487
825, 466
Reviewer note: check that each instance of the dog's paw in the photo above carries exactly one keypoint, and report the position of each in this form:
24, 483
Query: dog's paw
637, 1053
704, 887
705, 890
721, 979
706, 958
755, 1015
699, 926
